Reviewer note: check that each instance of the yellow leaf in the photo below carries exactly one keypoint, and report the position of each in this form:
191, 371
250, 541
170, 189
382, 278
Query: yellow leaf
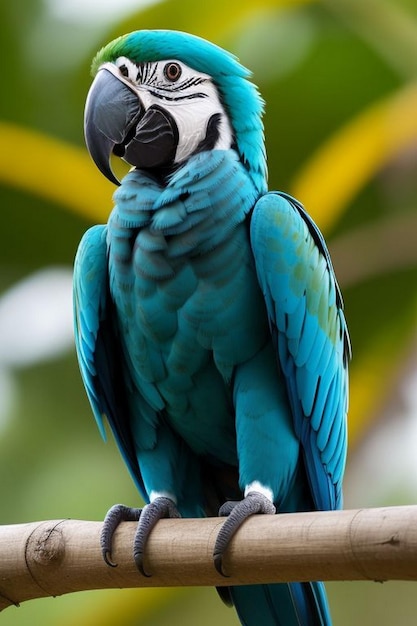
329, 181
343, 165
55, 170
367, 391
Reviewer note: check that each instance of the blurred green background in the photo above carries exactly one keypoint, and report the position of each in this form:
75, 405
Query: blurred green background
340, 82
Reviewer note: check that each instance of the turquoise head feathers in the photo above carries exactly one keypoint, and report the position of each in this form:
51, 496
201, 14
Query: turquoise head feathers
239, 96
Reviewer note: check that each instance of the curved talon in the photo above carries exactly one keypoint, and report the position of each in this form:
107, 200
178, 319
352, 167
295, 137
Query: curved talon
228, 507
107, 558
218, 564
117, 514
139, 562
238, 512
158, 509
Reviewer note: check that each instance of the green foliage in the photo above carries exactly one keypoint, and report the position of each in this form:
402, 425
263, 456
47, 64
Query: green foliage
335, 76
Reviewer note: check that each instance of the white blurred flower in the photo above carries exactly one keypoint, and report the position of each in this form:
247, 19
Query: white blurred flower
35, 325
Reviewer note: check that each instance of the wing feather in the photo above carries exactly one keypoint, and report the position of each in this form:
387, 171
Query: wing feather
305, 310
98, 349
89, 305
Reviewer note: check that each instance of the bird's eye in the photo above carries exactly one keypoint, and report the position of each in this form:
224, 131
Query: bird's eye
124, 71
172, 71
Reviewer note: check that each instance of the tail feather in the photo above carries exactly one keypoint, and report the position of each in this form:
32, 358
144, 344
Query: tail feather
292, 604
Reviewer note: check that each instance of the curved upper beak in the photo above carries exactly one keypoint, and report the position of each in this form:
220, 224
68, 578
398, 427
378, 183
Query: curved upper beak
112, 109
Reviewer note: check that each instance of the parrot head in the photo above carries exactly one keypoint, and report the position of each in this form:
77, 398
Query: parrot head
159, 97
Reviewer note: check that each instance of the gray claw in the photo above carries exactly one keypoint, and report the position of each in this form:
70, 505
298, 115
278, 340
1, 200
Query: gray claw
158, 509
238, 512
117, 514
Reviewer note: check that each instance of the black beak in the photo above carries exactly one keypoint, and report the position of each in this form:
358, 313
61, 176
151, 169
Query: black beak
111, 111
115, 121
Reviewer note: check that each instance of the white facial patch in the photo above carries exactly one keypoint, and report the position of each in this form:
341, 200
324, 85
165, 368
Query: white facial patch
189, 96
192, 117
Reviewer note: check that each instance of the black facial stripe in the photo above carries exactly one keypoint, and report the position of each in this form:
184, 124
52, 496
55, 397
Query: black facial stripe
146, 75
163, 96
152, 76
212, 134
190, 82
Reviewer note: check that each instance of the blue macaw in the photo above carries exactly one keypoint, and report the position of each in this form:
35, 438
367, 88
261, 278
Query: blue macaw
209, 325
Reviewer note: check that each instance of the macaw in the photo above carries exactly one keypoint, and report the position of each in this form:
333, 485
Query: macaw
209, 324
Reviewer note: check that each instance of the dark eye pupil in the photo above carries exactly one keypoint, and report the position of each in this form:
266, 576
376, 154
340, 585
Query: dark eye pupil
123, 70
172, 71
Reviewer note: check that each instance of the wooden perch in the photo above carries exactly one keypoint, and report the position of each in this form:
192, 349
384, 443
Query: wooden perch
56, 557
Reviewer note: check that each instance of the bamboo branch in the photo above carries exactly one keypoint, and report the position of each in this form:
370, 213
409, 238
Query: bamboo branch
52, 558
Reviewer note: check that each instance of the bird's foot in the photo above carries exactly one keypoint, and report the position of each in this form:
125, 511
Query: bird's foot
237, 512
147, 517
160, 508
117, 514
